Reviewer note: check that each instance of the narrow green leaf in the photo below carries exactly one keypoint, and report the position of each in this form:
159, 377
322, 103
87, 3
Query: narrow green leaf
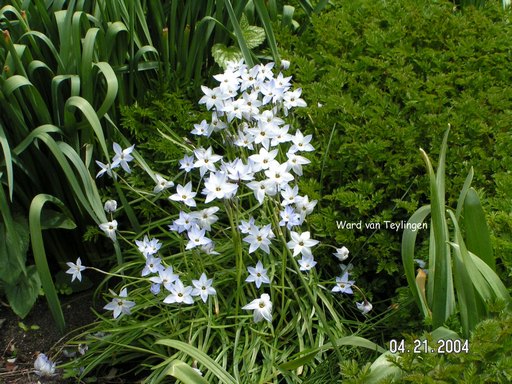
48, 42
463, 192
76, 102
493, 280
287, 17
267, 26
7, 160
91, 194
440, 283
466, 298
112, 88
477, 233
40, 259
239, 34
201, 357
408, 246
308, 355
185, 373
86, 65
17, 83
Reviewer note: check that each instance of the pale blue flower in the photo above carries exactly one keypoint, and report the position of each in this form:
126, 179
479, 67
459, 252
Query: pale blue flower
122, 157
119, 305
343, 284
257, 274
110, 229
262, 308
179, 294
166, 277
75, 270
153, 265
203, 287
105, 168
341, 253
184, 194
364, 307
259, 238
306, 263
43, 366
301, 243
110, 206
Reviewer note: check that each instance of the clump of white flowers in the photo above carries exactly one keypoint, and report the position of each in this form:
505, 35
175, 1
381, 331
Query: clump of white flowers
261, 164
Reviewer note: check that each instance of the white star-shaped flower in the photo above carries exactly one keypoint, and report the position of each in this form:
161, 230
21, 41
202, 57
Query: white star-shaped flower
75, 270
262, 308
301, 243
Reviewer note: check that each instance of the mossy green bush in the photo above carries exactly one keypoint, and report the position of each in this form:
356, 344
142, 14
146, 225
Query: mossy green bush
488, 359
382, 79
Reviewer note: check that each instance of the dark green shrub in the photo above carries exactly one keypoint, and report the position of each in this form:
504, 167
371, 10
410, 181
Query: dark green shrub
383, 79
488, 359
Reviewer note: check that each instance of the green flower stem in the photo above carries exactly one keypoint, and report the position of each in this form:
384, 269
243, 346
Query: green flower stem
115, 274
240, 265
318, 310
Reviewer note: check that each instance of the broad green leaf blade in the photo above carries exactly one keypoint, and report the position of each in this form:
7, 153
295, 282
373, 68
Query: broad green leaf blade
253, 35
477, 233
408, 246
381, 369
16, 240
55, 219
185, 373
201, 357
12, 264
22, 294
222, 54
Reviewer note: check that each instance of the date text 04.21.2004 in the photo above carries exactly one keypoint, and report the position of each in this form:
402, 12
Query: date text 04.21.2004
422, 346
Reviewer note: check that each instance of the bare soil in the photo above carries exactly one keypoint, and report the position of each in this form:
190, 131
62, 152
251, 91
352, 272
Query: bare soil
19, 347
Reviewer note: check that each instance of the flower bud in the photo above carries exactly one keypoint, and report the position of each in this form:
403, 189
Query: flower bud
110, 206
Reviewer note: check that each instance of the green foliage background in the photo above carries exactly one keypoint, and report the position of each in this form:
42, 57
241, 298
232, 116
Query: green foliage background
383, 79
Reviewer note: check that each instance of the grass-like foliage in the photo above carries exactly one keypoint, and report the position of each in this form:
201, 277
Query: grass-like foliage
224, 278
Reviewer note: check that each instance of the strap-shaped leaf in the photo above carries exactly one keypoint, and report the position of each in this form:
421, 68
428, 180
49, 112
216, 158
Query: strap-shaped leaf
201, 357
477, 233
40, 259
6, 149
184, 373
408, 247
